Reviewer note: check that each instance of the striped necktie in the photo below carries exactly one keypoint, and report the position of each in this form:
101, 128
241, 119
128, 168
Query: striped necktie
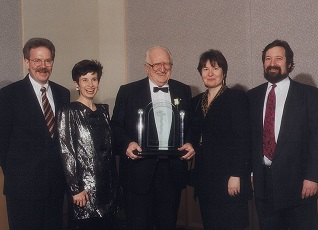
48, 113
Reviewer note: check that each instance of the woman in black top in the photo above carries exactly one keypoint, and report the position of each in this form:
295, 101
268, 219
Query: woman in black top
221, 138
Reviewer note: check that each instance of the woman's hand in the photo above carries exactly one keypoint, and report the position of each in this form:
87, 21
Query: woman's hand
81, 198
189, 149
234, 186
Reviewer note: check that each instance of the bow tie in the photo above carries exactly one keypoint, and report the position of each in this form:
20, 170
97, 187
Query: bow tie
163, 89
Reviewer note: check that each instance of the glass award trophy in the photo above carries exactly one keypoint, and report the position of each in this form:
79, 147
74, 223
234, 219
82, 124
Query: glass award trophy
160, 129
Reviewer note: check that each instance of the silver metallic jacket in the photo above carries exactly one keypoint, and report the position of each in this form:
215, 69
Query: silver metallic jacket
89, 164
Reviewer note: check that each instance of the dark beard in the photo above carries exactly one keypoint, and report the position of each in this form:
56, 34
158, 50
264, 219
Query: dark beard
274, 77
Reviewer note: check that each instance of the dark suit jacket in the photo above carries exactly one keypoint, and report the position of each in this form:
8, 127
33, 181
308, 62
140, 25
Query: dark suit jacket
137, 175
296, 154
225, 149
29, 157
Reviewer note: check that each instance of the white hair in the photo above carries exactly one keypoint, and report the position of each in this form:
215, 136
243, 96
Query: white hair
158, 47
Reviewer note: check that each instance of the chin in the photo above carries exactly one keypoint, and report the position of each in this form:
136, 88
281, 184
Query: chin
275, 78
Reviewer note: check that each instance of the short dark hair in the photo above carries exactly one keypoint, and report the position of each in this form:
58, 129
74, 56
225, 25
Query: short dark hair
214, 56
87, 66
288, 52
35, 43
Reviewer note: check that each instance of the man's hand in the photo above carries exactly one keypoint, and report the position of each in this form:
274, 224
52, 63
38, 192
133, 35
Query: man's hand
309, 189
234, 186
131, 147
81, 198
190, 151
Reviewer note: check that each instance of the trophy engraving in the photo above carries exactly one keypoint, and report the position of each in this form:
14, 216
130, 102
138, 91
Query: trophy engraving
160, 129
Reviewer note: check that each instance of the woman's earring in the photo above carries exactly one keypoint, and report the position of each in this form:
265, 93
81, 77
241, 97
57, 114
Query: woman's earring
77, 88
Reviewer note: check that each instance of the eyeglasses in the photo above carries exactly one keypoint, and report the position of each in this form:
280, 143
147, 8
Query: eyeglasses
38, 62
157, 66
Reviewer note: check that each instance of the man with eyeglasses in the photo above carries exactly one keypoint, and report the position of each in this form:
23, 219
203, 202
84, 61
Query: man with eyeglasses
29, 153
152, 185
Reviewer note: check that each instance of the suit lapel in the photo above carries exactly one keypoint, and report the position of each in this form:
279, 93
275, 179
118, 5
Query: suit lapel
173, 91
175, 94
258, 113
56, 97
144, 95
290, 113
31, 105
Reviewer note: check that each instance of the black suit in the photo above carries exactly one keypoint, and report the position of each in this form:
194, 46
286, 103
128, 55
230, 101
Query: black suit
296, 155
29, 157
139, 176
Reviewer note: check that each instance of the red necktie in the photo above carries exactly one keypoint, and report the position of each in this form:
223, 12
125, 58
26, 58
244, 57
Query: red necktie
269, 142
48, 113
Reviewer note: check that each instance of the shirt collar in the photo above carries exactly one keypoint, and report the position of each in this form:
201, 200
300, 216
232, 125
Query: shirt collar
283, 84
37, 87
154, 85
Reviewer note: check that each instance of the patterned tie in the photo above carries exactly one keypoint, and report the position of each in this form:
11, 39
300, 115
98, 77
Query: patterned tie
48, 113
269, 143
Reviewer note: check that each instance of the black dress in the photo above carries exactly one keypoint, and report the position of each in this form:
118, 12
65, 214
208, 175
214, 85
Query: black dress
222, 143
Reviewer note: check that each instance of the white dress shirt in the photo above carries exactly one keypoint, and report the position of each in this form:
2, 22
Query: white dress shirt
163, 114
37, 89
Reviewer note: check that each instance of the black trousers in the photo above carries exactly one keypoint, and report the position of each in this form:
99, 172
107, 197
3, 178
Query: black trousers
301, 217
104, 223
35, 214
231, 216
157, 208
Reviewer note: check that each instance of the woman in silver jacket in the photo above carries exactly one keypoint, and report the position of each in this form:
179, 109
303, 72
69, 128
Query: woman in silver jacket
86, 151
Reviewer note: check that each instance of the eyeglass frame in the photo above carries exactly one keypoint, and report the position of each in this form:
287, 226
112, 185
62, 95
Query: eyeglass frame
38, 62
161, 64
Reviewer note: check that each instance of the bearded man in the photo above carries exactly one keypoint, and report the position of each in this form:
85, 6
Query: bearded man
284, 120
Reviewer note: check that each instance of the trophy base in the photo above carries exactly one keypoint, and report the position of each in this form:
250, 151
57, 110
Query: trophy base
172, 153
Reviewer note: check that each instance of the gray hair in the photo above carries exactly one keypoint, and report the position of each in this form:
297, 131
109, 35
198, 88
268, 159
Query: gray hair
158, 47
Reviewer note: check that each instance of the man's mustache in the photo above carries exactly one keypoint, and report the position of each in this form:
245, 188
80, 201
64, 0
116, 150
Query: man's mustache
272, 67
42, 70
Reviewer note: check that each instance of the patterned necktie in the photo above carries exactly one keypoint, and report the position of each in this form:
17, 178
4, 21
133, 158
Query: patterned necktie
48, 113
269, 143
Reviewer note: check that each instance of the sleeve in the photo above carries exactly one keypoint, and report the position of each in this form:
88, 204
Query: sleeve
118, 126
113, 156
240, 145
195, 123
189, 114
68, 153
6, 123
312, 106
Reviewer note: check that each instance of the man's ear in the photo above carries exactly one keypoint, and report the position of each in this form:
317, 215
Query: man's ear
27, 63
289, 66
146, 68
